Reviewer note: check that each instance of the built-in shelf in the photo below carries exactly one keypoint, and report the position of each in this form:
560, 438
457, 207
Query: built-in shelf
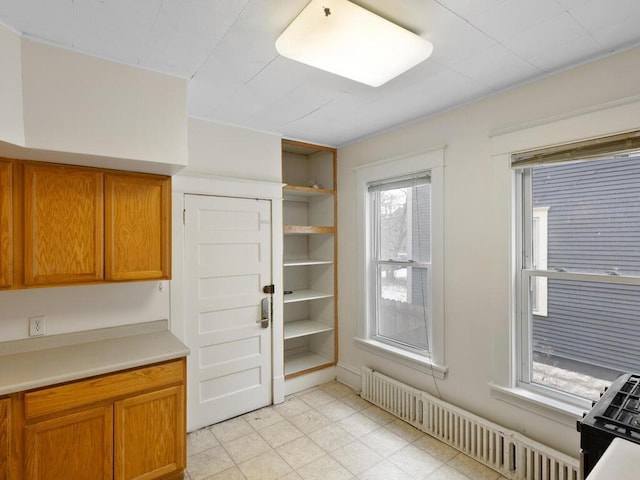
298, 191
307, 230
305, 295
310, 259
299, 362
306, 262
302, 328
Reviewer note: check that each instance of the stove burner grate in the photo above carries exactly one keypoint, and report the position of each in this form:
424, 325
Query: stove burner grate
623, 412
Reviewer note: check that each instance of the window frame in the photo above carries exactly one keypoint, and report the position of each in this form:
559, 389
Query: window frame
432, 161
374, 284
594, 121
525, 272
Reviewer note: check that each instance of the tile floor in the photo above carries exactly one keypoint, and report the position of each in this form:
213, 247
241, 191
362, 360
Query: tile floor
324, 433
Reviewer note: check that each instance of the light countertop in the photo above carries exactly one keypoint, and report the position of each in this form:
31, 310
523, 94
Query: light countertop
620, 461
48, 360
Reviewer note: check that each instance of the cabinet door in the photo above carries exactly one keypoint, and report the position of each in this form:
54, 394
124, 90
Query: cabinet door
63, 227
150, 435
4, 438
6, 224
137, 227
78, 446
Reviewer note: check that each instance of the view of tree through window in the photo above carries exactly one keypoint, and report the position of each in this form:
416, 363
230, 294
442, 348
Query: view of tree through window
401, 258
589, 330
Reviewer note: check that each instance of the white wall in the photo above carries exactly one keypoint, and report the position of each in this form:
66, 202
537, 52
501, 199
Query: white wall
11, 119
71, 309
82, 104
477, 234
233, 152
59, 105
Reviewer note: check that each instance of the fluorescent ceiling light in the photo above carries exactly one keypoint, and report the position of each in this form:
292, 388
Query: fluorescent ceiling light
343, 38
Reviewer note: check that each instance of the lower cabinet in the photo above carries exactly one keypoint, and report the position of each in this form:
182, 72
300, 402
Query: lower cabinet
149, 435
74, 446
4, 437
122, 426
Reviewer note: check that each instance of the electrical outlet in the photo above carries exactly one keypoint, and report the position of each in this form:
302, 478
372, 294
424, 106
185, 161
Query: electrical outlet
36, 325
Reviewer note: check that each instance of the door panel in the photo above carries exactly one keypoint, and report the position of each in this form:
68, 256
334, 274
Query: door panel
77, 446
5, 429
63, 224
6, 223
137, 226
149, 435
227, 263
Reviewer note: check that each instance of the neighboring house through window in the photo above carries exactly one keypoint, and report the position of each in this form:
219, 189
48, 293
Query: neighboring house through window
578, 267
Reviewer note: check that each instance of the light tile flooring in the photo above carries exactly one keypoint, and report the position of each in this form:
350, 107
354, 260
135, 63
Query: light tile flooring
324, 433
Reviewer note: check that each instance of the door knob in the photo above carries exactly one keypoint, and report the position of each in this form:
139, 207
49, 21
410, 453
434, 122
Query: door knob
265, 307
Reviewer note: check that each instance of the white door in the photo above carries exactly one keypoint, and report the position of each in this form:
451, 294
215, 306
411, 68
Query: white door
227, 265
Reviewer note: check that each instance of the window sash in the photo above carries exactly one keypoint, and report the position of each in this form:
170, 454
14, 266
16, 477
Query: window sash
526, 274
374, 190
377, 307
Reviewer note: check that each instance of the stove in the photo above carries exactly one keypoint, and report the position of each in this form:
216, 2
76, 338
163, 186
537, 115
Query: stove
616, 414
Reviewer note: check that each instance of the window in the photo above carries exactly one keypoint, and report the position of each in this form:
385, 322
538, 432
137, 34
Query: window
400, 258
578, 270
400, 286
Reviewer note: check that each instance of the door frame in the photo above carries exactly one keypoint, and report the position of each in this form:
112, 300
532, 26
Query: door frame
228, 187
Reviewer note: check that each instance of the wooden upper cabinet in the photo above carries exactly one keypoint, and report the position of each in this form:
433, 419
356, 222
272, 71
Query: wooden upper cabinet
6, 224
137, 226
63, 224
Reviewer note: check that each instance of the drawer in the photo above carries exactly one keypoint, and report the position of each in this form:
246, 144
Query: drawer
104, 388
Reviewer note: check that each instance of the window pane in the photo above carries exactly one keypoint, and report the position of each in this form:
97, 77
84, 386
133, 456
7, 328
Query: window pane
403, 305
404, 223
590, 335
593, 215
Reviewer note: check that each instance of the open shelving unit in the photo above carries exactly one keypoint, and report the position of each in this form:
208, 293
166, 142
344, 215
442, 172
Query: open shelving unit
310, 257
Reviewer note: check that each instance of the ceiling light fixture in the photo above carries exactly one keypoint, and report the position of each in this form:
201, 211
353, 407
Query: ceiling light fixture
343, 38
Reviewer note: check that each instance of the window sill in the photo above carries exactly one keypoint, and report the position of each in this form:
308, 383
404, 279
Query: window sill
412, 360
555, 410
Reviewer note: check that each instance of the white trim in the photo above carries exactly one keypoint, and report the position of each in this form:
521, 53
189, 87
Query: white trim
350, 376
594, 122
433, 161
426, 153
578, 126
543, 405
406, 358
206, 184
575, 113
309, 380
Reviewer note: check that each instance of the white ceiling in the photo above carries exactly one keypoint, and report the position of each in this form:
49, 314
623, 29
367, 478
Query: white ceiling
225, 48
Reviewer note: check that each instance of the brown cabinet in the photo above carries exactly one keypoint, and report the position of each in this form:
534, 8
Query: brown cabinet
150, 435
77, 446
6, 223
63, 227
123, 426
4, 437
81, 225
137, 226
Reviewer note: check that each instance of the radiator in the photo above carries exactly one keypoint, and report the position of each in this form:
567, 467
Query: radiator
509, 453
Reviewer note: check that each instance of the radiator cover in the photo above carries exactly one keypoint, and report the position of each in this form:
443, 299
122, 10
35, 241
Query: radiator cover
507, 452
